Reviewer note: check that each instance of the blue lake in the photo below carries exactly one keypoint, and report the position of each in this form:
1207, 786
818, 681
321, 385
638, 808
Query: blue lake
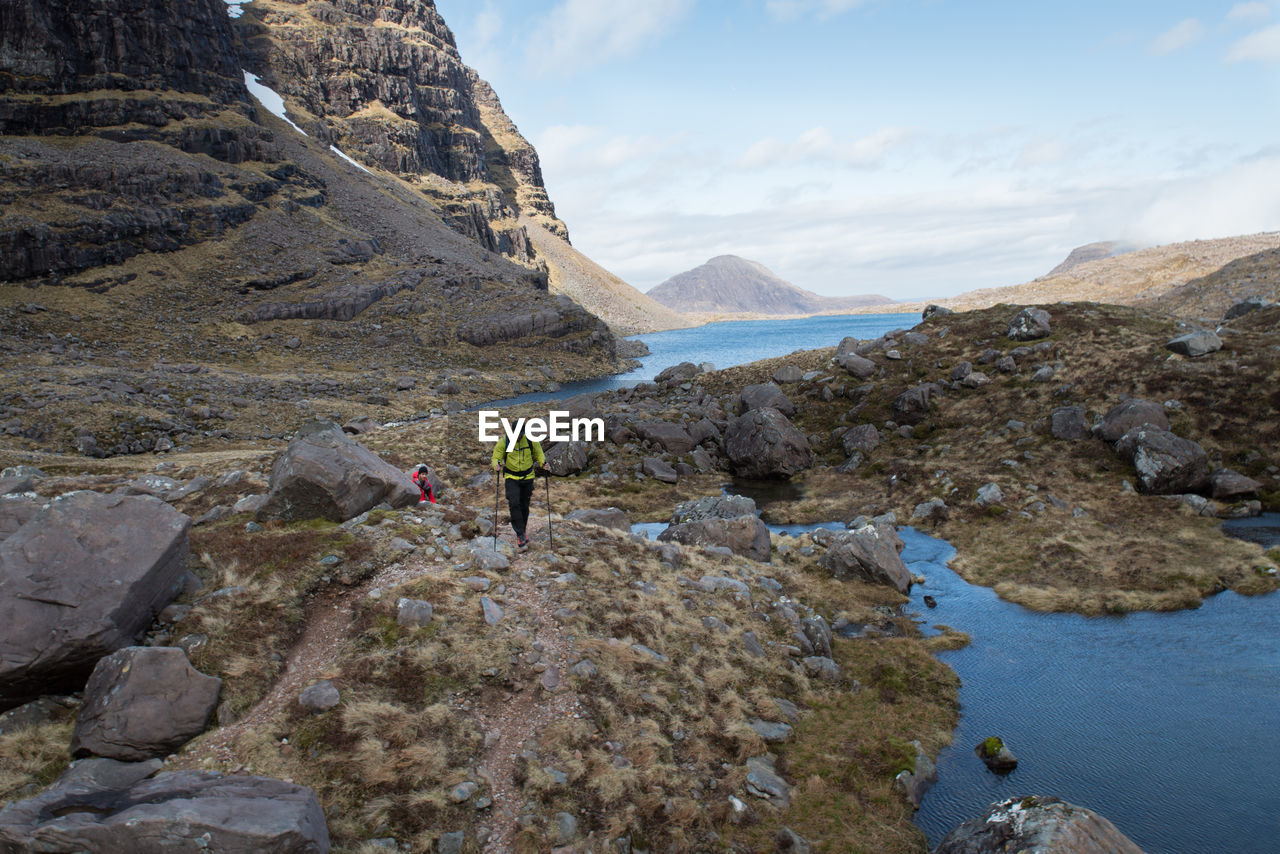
731, 343
1167, 724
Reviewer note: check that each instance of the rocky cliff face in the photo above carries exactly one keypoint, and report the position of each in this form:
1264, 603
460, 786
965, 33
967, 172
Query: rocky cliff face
382, 79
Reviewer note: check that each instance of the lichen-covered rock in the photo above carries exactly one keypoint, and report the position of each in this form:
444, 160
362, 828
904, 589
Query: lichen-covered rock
324, 474
1202, 342
730, 521
83, 577
566, 458
1036, 824
1165, 464
860, 437
764, 395
143, 702
180, 811
1067, 422
872, 553
764, 444
1029, 324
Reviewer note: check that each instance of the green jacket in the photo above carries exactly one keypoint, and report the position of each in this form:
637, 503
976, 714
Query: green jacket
522, 462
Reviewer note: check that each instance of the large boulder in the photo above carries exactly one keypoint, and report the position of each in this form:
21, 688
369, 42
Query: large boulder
871, 553
605, 517
179, 811
672, 438
1036, 824
1230, 485
1247, 306
861, 437
143, 702
1129, 415
762, 396
677, 374
912, 406
1198, 343
764, 444
16, 510
1068, 423
84, 577
1029, 324
1166, 464
860, 366
730, 521
324, 474
566, 458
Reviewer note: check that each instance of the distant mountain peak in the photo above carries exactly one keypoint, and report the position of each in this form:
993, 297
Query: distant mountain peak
730, 284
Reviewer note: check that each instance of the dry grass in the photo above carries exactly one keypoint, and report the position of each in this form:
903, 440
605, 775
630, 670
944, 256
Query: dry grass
33, 757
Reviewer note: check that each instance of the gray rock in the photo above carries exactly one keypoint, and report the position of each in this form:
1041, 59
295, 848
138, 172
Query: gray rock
1034, 824
677, 374
324, 474
1247, 306
413, 613
976, 379
934, 510
766, 395
788, 374
872, 553
672, 438
989, 494
487, 560
1006, 365
85, 576
1129, 415
659, 469
763, 444
863, 438
1043, 374
180, 811
1198, 343
821, 667
585, 669
566, 828
743, 535
764, 782
961, 371
463, 792
913, 405
996, 755
771, 731
1229, 485
38, 711
98, 773
859, 366
492, 611
1029, 324
607, 517
1068, 422
1165, 464
143, 702
319, 697
934, 310
751, 645
566, 458
451, 843
818, 633
914, 783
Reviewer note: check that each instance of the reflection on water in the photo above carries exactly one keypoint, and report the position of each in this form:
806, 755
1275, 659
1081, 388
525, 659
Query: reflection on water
1167, 724
1263, 530
764, 492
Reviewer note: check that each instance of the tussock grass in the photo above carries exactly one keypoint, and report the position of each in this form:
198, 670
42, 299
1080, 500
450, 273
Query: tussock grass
33, 757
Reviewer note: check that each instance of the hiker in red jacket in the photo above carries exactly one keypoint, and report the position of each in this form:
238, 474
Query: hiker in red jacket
423, 480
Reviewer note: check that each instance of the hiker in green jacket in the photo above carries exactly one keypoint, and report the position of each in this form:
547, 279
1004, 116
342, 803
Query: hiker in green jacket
521, 464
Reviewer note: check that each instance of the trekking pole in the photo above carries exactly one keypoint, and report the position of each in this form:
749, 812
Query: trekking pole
551, 542
497, 483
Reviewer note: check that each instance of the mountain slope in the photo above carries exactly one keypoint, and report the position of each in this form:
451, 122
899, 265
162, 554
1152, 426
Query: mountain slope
728, 284
163, 235
1092, 252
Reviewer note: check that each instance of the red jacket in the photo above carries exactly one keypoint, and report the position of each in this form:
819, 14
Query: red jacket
424, 485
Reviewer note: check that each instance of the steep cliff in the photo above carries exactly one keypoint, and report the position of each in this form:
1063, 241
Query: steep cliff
153, 213
382, 79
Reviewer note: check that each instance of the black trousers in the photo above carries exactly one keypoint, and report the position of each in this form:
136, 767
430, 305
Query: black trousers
519, 495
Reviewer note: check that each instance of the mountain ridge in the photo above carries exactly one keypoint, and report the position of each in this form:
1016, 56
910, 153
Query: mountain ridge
729, 284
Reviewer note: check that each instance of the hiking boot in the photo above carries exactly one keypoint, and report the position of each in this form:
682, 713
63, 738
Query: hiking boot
522, 542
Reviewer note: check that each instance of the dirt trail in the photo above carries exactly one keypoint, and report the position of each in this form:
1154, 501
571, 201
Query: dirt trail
327, 622
513, 723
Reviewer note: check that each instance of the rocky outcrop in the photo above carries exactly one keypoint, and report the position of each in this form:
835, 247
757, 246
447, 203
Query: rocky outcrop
764, 444
1036, 824
562, 318
323, 474
671, 437
83, 578
184, 810
1166, 464
1129, 415
871, 553
730, 521
913, 405
341, 304
143, 702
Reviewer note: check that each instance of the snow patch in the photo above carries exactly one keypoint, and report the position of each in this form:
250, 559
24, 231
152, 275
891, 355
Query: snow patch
347, 158
234, 7
269, 99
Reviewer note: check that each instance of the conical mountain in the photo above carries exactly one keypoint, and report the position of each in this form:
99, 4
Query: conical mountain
728, 284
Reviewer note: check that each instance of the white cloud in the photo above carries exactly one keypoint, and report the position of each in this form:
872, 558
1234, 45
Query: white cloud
1177, 37
579, 34
488, 26
786, 10
1262, 46
1249, 13
1222, 204
818, 145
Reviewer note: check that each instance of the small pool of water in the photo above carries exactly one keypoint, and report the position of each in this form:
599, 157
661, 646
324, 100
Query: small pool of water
1263, 530
651, 530
1167, 724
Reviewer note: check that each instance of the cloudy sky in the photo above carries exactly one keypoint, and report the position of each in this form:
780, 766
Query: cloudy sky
911, 148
